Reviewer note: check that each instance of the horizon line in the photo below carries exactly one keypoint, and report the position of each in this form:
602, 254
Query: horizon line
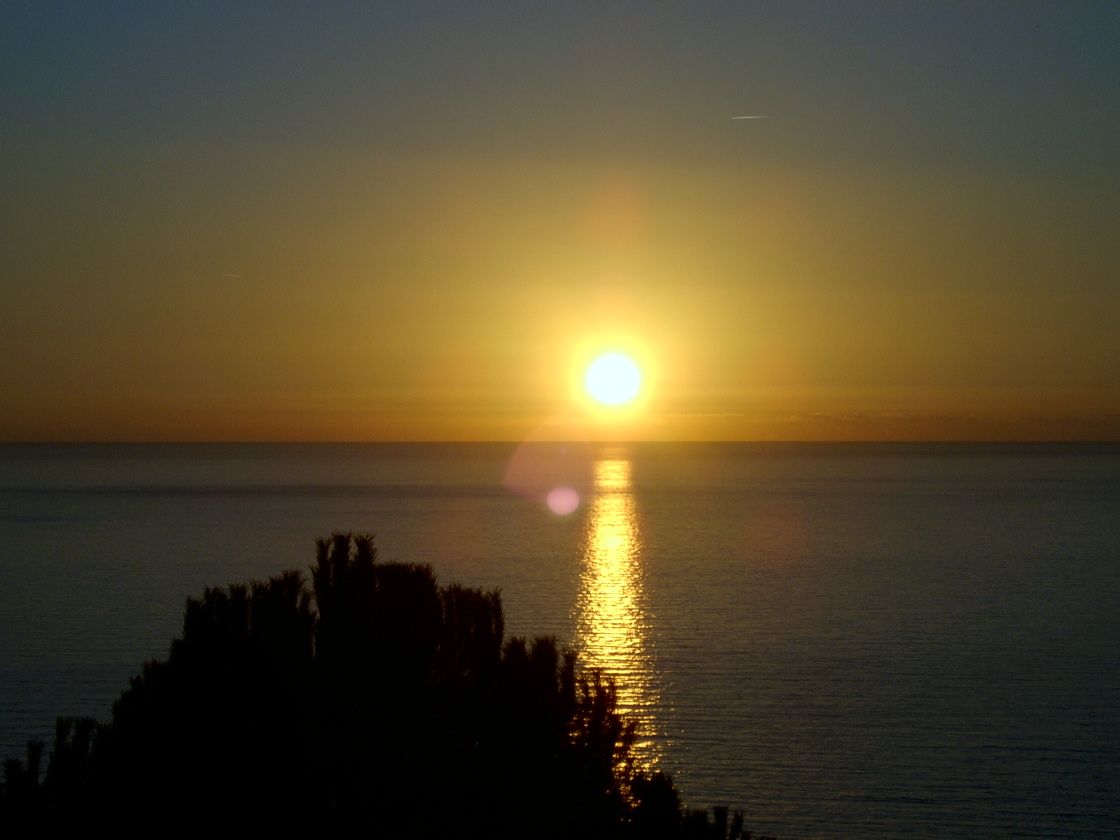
596, 442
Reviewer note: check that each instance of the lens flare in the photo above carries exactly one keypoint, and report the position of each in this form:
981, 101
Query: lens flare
562, 500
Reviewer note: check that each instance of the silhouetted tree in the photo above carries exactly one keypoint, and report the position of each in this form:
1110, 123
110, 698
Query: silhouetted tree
373, 699
22, 800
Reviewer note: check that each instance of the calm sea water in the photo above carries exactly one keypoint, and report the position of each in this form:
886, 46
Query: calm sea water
846, 641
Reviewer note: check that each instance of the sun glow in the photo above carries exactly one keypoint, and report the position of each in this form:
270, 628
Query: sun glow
613, 379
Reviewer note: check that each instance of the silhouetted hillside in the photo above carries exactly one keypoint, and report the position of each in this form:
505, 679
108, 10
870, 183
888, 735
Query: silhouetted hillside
374, 699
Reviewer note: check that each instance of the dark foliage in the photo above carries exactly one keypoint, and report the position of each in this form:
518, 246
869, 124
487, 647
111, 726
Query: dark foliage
375, 699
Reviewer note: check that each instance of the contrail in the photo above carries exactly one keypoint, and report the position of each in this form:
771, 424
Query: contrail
753, 117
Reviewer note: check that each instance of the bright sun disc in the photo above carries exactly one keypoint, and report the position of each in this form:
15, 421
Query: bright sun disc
613, 379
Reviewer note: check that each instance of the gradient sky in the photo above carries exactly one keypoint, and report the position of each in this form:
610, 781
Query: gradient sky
409, 221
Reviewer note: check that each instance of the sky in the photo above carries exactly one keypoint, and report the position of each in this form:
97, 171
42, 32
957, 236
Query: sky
410, 221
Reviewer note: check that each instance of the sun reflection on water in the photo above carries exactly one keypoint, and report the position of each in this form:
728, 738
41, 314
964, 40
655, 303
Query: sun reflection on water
612, 624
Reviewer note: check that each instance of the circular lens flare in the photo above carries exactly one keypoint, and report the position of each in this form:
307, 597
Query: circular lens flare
562, 500
613, 379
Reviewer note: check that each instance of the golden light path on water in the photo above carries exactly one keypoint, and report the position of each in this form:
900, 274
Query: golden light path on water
612, 624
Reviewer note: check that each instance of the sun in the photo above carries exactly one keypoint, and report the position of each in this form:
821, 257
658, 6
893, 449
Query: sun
613, 379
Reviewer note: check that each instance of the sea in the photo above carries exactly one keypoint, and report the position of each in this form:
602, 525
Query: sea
841, 640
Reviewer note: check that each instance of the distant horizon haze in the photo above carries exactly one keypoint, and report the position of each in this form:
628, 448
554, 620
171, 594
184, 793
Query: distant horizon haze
349, 222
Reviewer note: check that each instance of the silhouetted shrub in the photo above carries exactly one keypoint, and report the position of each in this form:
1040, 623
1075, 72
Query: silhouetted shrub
375, 699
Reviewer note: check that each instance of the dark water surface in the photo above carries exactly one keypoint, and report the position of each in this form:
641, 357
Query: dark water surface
870, 640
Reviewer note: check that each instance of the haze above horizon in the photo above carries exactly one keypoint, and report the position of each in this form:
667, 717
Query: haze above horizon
420, 223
